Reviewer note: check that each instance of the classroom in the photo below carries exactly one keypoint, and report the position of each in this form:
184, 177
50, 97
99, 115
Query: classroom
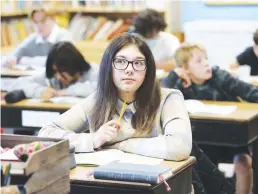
129, 96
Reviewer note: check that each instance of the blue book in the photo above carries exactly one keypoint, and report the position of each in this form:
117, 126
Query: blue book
141, 173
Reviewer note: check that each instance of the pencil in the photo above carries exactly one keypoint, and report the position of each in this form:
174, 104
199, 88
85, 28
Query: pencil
122, 110
7, 174
123, 107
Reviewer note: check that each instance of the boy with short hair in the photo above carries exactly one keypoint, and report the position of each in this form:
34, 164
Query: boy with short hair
34, 49
196, 79
249, 56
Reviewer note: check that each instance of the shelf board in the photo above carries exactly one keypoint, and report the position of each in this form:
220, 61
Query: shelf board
14, 13
78, 9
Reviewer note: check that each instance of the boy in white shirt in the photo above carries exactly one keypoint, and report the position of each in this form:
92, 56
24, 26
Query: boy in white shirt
151, 25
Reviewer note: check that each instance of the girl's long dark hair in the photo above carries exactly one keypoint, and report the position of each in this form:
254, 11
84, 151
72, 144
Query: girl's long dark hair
147, 96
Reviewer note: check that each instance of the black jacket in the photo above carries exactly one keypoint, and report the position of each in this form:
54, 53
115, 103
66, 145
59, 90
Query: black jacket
221, 87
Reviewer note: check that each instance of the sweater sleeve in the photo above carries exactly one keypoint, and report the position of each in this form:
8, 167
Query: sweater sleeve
176, 141
32, 86
238, 88
72, 125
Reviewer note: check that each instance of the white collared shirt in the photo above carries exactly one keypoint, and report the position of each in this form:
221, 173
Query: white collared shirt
163, 46
130, 106
52, 38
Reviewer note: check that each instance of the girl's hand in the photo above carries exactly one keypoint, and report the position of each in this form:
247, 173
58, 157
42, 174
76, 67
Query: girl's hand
61, 92
105, 133
48, 93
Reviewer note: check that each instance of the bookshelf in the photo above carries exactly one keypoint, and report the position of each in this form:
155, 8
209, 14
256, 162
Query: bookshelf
15, 21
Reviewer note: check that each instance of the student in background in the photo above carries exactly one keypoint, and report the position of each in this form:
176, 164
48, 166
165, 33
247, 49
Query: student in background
249, 57
127, 72
34, 49
67, 74
151, 25
197, 80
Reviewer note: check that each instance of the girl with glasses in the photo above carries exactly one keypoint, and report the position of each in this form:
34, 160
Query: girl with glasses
153, 116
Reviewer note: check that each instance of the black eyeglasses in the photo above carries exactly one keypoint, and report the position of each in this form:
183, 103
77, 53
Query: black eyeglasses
122, 64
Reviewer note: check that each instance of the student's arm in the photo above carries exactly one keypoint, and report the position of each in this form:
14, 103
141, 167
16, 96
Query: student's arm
234, 65
239, 88
37, 61
176, 143
33, 86
19, 52
72, 125
81, 89
176, 79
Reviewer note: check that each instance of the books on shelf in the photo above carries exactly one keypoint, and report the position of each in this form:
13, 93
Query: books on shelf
142, 173
97, 29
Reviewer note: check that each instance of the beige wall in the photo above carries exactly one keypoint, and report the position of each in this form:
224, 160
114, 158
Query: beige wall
173, 15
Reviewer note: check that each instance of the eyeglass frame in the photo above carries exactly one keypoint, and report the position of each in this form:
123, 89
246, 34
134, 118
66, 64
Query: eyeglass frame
129, 62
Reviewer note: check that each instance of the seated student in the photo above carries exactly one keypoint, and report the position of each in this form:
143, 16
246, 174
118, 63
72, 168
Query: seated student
249, 57
67, 74
34, 49
197, 80
151, 25
127, 72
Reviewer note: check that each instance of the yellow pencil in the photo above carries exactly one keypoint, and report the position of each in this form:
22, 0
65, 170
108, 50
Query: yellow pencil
123, 109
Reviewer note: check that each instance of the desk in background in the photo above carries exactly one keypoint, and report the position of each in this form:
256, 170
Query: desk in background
17, 115
239, 128
180, 182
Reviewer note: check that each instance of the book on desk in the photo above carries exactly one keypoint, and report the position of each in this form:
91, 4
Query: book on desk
142, 173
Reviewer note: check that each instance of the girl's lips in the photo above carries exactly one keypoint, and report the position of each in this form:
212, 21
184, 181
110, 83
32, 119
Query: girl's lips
128, 79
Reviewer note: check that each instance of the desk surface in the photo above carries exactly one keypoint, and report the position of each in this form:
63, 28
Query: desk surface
244, 112
16, 73
28, 104
80, 173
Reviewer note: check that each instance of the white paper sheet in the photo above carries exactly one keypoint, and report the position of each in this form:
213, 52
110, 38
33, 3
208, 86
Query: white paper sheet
196, 106
8, 155
106, 156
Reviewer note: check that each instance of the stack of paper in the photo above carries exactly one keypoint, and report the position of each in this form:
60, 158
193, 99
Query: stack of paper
196, 106
106, 156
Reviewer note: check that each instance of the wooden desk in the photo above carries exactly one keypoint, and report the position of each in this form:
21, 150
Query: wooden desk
239, 128
12, 114
180, 182
13, 73
254, 83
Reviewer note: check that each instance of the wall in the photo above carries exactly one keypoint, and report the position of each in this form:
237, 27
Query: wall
197, 9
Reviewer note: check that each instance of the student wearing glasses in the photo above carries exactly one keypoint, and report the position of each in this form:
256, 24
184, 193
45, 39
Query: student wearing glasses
34, 49
67, 74
153, 116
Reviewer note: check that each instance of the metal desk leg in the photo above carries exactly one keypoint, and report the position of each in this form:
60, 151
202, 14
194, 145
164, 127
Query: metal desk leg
255, 166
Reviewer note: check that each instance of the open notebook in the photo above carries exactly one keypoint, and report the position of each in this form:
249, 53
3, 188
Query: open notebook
196, 106
103, 157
